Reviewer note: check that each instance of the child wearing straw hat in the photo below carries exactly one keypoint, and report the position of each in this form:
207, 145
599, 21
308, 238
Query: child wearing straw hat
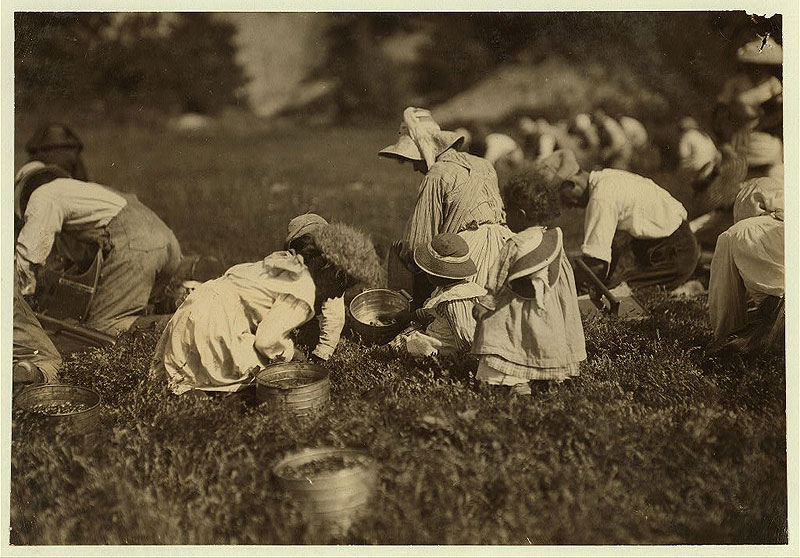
749, 111
447, 313
529, 326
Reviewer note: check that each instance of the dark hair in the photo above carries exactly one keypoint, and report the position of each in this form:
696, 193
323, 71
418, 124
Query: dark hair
327, 276
529, 192
36, 179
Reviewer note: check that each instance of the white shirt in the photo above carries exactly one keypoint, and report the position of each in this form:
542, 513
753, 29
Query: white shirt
622, 200
63, 204
331, 323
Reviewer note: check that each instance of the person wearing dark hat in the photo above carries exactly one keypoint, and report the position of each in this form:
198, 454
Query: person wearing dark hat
447, 313
529, 325
56, 144
459, 194
140, 252
665, 250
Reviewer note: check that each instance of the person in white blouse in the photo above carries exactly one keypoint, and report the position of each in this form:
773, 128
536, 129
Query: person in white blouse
140, 252
748, 269
665, 250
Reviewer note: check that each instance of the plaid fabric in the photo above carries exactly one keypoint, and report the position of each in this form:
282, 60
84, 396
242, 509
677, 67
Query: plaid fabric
503, 366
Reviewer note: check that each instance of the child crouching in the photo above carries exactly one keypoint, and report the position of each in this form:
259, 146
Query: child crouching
449, 326
529, 326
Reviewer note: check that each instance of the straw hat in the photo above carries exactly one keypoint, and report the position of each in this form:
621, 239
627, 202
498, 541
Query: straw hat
26, 173
421, 138
761, 51
447, 256
539, 249
304, 224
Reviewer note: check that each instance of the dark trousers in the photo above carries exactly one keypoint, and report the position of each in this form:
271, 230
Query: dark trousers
669, 261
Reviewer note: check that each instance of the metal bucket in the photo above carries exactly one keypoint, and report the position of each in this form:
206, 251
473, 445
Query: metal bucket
333, 498
297, 387
367, 307
44, 400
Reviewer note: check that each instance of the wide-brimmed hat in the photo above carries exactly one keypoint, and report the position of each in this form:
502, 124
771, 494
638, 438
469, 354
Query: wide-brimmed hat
538, 248
447, 256
52, 135
26, 173
761, 51
421, 138
304, 224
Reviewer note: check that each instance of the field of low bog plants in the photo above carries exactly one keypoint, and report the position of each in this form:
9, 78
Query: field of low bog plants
653, 443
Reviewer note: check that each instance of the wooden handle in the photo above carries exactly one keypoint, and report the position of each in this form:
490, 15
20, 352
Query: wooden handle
96, 337
601, 289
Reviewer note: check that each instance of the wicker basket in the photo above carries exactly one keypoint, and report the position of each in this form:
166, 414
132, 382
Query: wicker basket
36, 398
297, 387
334, 497
366, 307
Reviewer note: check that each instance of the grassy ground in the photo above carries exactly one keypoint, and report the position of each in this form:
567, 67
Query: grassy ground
652, 444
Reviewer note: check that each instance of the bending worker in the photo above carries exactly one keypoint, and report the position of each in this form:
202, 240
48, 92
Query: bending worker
665, 250
748, 266
140, 252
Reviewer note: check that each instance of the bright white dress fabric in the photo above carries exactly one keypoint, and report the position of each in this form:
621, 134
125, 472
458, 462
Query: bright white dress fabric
232, 325
748, 260
331, 322
697, 153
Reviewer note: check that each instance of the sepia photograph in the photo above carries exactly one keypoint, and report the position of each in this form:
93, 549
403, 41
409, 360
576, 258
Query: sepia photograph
399, 279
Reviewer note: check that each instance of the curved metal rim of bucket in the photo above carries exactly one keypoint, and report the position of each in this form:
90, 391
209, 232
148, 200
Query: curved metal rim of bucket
320, 372
311, 454
29, 391
376, 329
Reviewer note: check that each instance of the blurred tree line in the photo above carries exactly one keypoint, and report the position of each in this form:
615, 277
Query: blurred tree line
675, 51
179, 62
122, 63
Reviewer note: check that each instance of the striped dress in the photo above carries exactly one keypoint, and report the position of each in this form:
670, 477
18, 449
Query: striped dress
459, 194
